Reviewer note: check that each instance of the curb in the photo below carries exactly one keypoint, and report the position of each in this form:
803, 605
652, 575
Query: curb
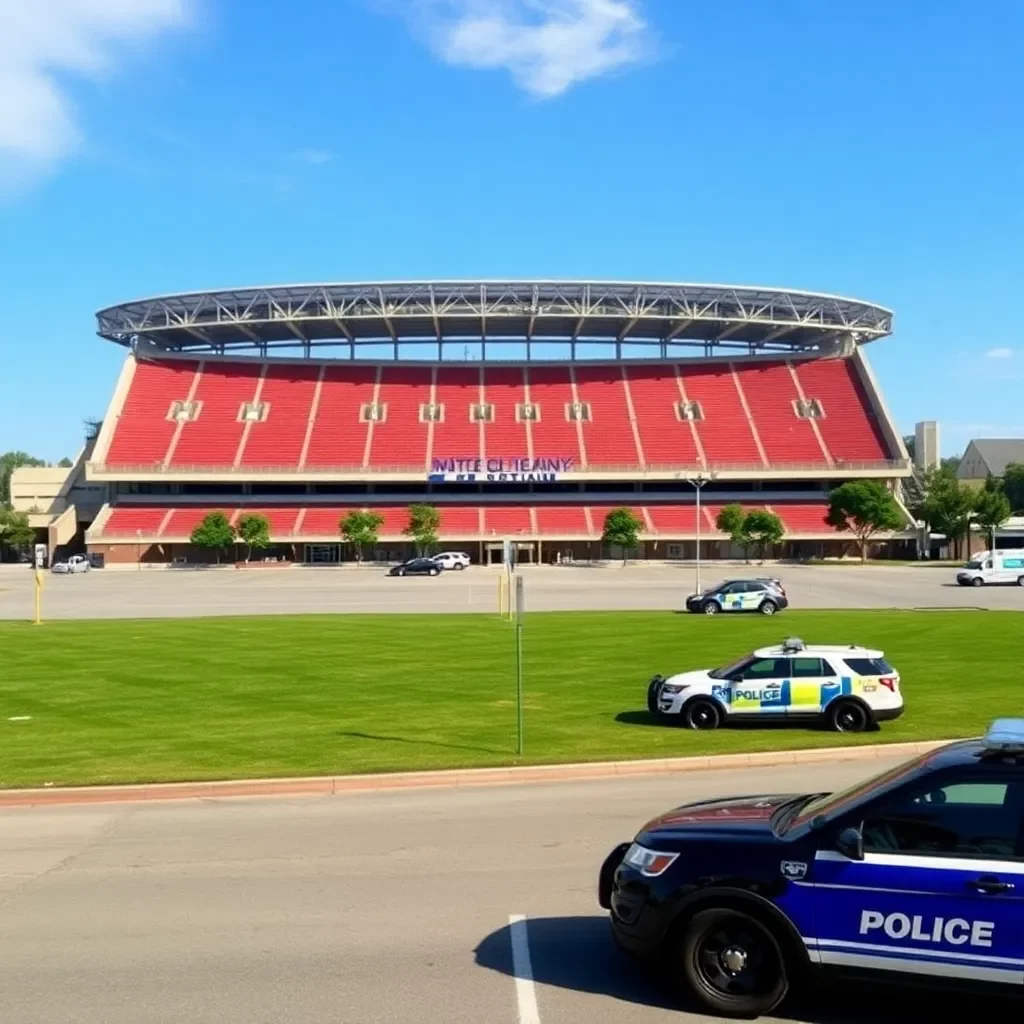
460, 778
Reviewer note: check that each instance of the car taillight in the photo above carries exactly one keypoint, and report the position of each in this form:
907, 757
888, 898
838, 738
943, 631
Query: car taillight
890, 683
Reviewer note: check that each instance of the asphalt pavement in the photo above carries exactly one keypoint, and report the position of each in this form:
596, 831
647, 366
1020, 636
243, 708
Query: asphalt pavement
459, 906
122, 593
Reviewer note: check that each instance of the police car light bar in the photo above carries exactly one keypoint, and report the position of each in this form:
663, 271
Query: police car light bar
793, 643
1006, 735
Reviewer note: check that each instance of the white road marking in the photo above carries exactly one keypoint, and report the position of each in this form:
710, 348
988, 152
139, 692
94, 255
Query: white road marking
526, 994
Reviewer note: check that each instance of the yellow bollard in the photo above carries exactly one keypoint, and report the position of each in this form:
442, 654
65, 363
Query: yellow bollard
39, 599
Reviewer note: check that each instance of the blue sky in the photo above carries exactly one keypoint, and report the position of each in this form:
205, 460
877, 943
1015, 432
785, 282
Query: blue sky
872, 149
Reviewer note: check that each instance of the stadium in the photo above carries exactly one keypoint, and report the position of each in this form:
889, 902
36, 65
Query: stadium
523, 411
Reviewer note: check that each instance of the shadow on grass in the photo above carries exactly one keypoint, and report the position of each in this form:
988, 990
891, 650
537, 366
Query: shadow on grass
578, 954
422, 743
645, 718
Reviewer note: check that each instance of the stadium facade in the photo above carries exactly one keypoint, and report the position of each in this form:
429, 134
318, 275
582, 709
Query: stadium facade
523, 410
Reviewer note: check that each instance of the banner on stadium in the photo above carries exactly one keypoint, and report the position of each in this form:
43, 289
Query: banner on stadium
498, 471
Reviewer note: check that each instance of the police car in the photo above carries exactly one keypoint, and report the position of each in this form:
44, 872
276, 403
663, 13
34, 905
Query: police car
917, 873
848, 689
764, 594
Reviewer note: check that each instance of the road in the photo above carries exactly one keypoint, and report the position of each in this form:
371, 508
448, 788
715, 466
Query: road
161, 593
361, 909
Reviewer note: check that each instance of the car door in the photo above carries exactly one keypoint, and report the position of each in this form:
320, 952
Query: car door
763, 688
940, 888
753, 595
730, 597
813, 680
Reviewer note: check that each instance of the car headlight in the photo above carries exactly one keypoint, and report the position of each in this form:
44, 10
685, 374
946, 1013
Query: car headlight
650, 863
672, 688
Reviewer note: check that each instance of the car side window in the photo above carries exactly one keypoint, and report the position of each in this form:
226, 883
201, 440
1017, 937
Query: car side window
807, 668
958, 819
767, 668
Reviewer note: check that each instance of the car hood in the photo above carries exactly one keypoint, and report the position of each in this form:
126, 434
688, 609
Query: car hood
696, 677
749, 814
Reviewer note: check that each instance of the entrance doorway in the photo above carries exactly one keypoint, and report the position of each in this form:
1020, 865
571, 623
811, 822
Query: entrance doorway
323, 554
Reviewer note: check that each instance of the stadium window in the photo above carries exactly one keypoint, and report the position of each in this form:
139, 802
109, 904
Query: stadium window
481, 412
183, 412
527, 411
431, 412
253, 412
808, 408
373, 412
577, 412
689, 411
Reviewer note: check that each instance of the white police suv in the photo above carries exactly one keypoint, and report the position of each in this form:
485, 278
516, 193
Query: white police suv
916, 874
847, 688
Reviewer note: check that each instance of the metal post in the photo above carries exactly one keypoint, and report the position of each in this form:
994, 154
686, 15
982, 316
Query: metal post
39, 599
698, 485
519, 665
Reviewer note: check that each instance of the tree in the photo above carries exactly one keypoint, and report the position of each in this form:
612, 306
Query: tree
763, 529
910, 443
864, 508
360, 530
991, 510
9, 462
622, 528
1013, 485
214, 533
730, 520
254, 532
424, 524
65, 463
15, 531
949, 507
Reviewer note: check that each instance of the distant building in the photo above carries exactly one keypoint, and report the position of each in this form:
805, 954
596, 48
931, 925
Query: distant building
926, 445
989, 455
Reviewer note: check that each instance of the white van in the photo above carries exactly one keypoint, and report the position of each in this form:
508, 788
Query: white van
993, 567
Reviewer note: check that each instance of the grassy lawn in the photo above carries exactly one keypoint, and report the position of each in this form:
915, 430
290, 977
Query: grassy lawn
160, 700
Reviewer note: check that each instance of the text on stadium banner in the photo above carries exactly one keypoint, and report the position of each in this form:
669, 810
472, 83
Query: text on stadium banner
505, 470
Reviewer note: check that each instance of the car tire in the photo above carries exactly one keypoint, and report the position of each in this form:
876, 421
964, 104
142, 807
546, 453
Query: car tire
710, 608
977, 581
653, 690
1020, 581
731, 963
401, 572
848, 716
435, 572
768, 608
702, 713
459, 566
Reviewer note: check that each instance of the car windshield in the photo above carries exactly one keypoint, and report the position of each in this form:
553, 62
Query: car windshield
974, 564
728, 670
829, 804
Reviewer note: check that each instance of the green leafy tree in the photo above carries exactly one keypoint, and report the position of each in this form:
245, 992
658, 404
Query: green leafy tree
1013, 486
254, 533
763, 530
9, 462
359, 529
991, 510
949, 508
864, 508
15, 532
65, 463
730, 521
910, 443
215, 533
423, 528
622, 528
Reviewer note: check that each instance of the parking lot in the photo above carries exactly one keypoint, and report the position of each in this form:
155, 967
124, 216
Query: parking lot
454, 905
609, 587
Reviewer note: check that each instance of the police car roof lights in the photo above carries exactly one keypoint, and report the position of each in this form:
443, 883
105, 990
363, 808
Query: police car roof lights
1005, 736
793, 643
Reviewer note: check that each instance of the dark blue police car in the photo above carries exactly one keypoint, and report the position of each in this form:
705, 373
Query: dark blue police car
917, 873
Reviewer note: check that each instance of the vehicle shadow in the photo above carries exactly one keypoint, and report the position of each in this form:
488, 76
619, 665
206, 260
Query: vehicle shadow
579, 954
645, 718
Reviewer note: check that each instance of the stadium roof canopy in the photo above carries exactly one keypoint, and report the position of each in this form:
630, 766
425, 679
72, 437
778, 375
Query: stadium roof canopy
659, 318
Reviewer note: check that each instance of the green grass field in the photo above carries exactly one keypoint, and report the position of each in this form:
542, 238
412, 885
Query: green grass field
161, 700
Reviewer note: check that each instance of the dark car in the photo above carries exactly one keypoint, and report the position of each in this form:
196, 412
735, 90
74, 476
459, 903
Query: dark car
416, 567
916, 874
763, 595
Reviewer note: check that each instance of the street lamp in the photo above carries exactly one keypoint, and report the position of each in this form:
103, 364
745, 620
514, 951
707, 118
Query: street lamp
698, 482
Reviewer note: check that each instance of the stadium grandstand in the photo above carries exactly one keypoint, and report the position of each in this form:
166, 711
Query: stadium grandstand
523, 411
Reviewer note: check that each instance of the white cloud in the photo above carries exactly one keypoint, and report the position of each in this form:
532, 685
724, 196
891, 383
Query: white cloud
44, 44
999, 353
547, 46
313, 156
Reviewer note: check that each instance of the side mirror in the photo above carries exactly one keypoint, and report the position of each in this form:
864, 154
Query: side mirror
851, 843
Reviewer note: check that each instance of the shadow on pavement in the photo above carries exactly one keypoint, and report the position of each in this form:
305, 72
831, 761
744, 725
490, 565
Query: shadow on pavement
578, 954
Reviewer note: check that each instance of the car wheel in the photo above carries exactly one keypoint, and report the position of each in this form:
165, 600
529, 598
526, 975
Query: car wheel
702, 714
460, 566
435, 572
848, 716
977, 581
732, 964
401, 572
768, 608
711, 608
1020, 581
653, 690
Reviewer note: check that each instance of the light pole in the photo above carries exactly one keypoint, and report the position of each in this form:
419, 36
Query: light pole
138, 550
698, 482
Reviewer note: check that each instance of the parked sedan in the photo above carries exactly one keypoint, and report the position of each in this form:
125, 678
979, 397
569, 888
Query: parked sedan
416, 567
